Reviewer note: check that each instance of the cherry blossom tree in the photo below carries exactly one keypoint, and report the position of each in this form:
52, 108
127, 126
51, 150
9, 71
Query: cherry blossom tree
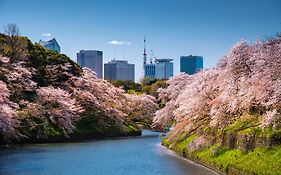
21, 77
59, 107
113, 102
247, 80
8, 116
169, 96
140, 107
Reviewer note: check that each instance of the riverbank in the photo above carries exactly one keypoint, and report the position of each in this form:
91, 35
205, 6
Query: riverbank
75, 137
231, 161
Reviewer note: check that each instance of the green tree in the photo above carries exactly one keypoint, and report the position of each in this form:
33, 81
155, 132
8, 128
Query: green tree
151, 85
127, 85
13, 45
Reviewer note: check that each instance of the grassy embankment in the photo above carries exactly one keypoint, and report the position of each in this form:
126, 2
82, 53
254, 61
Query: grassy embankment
258, 160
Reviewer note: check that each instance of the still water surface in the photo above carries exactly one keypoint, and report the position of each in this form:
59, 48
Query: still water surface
124, 156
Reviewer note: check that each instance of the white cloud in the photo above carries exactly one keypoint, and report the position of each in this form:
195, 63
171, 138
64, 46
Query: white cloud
115, 42
46, 34
128, 43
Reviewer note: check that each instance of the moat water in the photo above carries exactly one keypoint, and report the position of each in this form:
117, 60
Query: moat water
141, 155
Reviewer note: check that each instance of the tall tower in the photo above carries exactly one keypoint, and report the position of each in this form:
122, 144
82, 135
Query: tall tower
144, 54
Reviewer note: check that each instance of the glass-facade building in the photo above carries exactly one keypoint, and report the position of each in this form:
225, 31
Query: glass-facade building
51, 44
161, 69
92, 59
119, 70
149, 70
191, 64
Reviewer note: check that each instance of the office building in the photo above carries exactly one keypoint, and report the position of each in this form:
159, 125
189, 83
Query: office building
119, 70
161, 69
92, 59
149, 70
191, 64
51, 44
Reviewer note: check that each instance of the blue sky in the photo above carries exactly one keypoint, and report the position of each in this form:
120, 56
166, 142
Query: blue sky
172, 27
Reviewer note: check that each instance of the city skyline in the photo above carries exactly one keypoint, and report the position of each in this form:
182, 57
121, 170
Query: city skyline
172, 28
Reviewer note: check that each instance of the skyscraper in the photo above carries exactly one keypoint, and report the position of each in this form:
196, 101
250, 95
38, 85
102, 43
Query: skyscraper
51, 44
119, 70
161, 69
191, 64
92, 59
149, 70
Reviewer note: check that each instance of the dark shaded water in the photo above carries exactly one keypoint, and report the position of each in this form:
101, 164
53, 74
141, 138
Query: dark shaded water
136, 155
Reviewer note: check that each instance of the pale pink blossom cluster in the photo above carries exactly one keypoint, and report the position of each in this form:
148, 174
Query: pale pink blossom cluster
59, 107
21, 77
4, 59
8, 116
169, 96
71, 94
64, 105
269, 118
200, 142
109, 100
247, 80
55, 71
140, 107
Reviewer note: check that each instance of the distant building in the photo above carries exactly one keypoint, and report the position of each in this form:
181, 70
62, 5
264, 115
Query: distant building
119, 70
161, 69
51, 44
92, 59
149, 70
191, 64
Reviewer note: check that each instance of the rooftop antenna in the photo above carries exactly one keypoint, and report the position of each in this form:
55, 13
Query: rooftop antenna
144, 53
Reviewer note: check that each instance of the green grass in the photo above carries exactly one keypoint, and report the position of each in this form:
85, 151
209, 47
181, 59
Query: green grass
264, 161
165, 142
132, 128
181, 146
261, 161
222, 159
243, 124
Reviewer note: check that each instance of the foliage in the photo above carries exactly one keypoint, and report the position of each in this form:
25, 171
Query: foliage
243, 123
8, 116
239, 99
127, 85
60, 108
147, 81
247, 80
152, 86
12, 45
51, 68
182, 145
268, 160
46, 94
